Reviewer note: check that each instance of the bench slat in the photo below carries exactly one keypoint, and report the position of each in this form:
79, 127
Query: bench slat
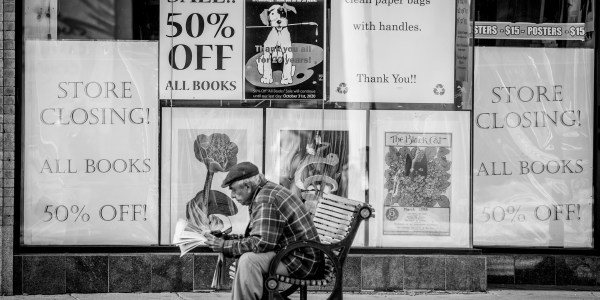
333, 225
329, 235
328, 214
342, 199
322, 216
329, 232
338, 205
340, 211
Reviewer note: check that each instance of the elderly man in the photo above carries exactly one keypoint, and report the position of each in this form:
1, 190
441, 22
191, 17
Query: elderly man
277, 218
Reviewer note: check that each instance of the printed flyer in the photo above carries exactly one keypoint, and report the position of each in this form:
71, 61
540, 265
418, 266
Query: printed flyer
398, 51
201, 52
419, 178
418, 183
533, 157
285, 42
91, 143
197, 155
317, 151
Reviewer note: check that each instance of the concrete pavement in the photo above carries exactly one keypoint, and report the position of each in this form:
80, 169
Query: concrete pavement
492, 294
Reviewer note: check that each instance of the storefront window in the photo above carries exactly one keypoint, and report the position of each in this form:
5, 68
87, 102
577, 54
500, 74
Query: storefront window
463, 123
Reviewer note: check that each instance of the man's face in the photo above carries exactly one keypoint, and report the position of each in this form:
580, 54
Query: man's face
241, 192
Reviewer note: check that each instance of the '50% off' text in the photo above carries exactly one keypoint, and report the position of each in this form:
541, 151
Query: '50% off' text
75, 213
512, 213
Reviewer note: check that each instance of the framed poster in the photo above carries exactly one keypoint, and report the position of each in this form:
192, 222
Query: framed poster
533, 150
90, 149
285, 56
419, 178
201, 50
199, 147
392, 51
312, 151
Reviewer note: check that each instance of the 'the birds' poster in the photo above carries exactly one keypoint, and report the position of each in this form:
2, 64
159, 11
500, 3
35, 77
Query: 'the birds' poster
284, 57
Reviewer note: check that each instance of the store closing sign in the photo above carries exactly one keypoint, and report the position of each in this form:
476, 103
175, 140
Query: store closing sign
91, 143
533, 128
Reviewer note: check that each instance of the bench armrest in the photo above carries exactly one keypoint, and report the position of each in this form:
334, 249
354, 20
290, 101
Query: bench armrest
271, 280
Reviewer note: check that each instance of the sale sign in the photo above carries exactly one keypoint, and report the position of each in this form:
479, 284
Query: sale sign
201, 50
393, 51
533, 152
91, 143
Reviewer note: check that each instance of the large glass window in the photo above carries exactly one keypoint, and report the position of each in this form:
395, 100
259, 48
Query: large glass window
134, 112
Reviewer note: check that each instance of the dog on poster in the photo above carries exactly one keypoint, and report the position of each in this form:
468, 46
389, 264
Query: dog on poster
278, 46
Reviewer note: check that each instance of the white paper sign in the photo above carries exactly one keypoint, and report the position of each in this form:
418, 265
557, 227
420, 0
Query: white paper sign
201, 50
91, 143
234, 133
419, 178
393, 51
533, 152
303, 144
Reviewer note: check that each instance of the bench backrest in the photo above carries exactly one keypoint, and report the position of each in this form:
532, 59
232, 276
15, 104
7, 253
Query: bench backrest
337, 220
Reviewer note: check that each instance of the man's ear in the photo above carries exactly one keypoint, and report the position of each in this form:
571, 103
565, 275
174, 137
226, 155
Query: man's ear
264, 17
289, 8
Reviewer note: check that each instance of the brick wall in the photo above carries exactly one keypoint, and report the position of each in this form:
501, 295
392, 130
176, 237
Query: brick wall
7, 146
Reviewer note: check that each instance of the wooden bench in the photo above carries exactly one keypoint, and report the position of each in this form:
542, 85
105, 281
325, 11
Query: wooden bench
337, 220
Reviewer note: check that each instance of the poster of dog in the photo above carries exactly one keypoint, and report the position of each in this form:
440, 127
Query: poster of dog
285, 50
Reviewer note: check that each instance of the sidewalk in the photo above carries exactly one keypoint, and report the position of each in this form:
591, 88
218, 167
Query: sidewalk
493, 294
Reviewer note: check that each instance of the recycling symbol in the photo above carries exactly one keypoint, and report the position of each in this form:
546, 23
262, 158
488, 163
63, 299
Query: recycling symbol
342, 88
439, 90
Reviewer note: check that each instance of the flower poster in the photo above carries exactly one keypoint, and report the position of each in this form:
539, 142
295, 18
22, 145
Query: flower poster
419, 166
418, 183
318, 151
197, 155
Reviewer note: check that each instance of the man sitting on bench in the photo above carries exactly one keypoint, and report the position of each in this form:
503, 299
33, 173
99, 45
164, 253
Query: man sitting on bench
277, 218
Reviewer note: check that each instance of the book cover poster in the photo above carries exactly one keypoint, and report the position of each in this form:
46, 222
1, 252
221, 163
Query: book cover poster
314, 151
418, 183
314, 162
285, 42
392, 51
419, 178
198, 153
533, 159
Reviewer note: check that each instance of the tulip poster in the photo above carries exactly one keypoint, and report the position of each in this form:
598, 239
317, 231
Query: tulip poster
197, 155
392, 51
419, 169
533, 152
91, 143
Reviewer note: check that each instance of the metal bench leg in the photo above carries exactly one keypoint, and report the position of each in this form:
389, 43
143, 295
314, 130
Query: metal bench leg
337, 293
303, 293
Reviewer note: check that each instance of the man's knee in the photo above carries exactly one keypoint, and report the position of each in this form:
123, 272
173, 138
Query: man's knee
251, 260
248, 261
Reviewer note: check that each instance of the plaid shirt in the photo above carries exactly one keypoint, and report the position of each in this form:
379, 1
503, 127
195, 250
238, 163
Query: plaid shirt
277, 219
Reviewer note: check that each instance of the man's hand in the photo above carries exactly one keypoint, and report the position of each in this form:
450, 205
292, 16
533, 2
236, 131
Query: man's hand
215, 243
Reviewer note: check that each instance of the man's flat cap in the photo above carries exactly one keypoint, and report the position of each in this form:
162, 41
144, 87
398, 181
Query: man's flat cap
238, 172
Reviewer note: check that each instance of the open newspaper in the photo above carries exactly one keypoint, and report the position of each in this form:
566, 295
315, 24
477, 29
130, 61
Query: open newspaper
189, 235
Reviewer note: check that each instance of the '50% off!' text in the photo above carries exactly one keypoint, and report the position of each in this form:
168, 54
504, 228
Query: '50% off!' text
542, 213
107, 213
